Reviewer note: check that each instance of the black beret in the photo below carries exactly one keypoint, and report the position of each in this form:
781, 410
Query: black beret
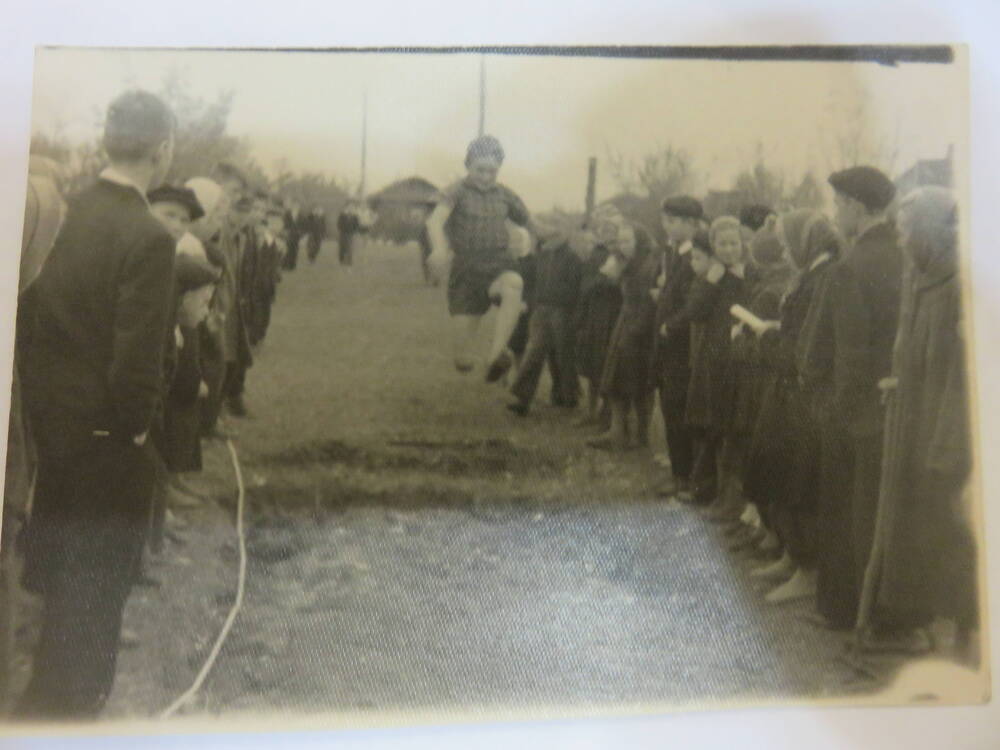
180, 195
702, 241
867, 185
754, 215
684, 206
193, 273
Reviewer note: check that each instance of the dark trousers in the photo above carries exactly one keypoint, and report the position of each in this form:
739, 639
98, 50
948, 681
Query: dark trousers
705, 471
837, 581
292, 256
680, 440
312, 248
548, 334
213, 372
796, 526
864, 500
346, 248
234, 382
83, 548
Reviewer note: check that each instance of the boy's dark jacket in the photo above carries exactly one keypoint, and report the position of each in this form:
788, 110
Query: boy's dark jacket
555, 274
92, 325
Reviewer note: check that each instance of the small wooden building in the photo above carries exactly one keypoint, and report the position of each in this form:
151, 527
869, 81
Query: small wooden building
403, 207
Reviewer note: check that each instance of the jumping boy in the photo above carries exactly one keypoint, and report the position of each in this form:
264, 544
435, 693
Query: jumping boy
470, 220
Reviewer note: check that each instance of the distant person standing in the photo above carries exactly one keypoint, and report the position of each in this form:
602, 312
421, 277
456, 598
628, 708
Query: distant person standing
470, 222
95, 322
293, 232
315, 232
348, 226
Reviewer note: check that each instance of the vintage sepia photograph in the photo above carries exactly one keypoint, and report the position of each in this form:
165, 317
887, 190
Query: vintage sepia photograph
369, 386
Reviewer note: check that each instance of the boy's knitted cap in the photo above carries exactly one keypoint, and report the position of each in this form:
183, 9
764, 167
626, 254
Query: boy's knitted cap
484, 146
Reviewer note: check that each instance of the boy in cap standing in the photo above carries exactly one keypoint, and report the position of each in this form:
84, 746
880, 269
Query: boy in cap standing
471, 221
846, 349
93, 367
672, 369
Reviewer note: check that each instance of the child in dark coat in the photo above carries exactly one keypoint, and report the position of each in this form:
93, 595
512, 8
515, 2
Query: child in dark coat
597, 310
784, 458
555, 290
710, 394
625, 382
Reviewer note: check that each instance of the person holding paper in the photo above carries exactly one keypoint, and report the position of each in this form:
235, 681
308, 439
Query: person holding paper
783, 470
767, 280
710, 392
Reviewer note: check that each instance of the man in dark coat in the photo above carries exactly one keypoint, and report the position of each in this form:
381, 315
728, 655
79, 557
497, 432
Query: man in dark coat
315, 232
847, 350
93, 321
671, 354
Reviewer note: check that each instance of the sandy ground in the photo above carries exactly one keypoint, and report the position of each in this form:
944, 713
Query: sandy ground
413, 546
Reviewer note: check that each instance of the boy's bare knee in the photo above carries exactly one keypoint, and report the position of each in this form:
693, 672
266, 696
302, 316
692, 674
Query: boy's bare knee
511, 285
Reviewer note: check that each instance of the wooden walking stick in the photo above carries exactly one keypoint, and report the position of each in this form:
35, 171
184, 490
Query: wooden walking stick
889, 480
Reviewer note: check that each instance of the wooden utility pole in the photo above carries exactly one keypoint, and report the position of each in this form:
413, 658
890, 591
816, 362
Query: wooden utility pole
482, 94
591, 190
364, 145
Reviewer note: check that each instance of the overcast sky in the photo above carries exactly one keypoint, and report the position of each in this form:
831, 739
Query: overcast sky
550, 113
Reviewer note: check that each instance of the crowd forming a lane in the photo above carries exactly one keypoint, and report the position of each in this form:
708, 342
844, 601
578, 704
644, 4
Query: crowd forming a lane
809, 371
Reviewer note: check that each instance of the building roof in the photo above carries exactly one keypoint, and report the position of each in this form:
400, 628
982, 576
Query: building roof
411, 190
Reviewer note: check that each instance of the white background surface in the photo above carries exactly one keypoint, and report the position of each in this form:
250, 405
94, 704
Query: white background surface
294, 23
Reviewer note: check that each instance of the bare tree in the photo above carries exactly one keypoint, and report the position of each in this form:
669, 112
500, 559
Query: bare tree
855, 136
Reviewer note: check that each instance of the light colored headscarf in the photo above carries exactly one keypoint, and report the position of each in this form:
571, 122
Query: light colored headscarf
929, 217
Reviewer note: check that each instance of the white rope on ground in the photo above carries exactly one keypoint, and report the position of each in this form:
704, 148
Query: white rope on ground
234, 610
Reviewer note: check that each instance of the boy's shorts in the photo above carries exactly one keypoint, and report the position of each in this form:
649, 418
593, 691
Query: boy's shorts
469, 285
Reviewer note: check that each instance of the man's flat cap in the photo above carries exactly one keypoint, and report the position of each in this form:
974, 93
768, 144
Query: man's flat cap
867, 185
684, 206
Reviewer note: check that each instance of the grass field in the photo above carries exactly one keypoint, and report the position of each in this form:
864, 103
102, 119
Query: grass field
415, 547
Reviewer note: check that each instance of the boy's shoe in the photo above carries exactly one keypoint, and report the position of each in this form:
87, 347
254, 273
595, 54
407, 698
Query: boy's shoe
609, 441
519, 408
499, 366
237, 406
904, 643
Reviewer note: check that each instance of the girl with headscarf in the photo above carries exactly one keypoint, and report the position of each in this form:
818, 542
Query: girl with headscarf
784, 458
710, 394
766, 278
625, 381
926, 552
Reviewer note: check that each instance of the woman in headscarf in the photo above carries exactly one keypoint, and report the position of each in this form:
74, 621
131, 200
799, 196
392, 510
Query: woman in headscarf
926, 548
784, 460
767, 277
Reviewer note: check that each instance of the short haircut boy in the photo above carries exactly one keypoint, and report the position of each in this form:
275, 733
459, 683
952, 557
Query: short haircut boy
137, 123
